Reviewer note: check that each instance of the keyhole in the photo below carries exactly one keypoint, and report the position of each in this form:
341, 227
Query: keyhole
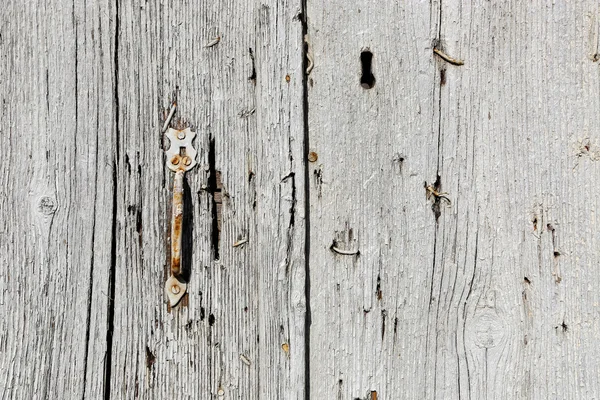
367, 80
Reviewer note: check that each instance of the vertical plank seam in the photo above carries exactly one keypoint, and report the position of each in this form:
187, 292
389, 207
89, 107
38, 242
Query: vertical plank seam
113, 254
306, 149
111, 295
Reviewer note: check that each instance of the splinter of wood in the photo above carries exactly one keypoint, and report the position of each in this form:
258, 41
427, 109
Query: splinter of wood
213, 42
447, 58
335, 249
344, 252
181, 157
168, 120
240, 242
309, 55
441, 195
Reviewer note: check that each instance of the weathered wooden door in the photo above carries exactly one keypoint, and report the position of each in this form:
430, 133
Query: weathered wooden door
394, 200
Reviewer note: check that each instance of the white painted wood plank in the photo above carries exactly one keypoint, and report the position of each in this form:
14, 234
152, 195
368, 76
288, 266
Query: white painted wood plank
56, 135
518, 252
375, 147
240, 331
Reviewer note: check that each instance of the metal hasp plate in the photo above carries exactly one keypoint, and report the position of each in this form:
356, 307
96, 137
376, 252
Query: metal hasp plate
181, 157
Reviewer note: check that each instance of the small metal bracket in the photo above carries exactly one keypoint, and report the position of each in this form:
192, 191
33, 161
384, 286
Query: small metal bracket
175, 290
181, 157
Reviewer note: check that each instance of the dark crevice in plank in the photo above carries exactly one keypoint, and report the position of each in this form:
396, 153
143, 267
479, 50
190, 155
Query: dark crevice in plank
89, 311
187, 231
47, 93
437, 43
252, 76
113, 251
307, 173
214, 188
439, 143
290, 229
437, 196
111, 296
437, 213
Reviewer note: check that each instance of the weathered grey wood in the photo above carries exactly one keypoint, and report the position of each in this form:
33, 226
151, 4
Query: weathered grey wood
499, 298
493, 294
516, 120
56, 134
375, 149
240, 331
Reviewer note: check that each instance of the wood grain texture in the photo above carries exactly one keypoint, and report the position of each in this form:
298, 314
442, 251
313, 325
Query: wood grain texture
239, 333
499, 297
453, 237
56, 135
375, 147
519, 137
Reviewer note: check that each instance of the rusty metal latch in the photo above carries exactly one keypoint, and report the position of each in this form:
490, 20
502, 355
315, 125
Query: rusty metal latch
181, 157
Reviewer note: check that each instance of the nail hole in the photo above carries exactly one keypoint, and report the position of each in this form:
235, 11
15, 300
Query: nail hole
367, 80
150, 358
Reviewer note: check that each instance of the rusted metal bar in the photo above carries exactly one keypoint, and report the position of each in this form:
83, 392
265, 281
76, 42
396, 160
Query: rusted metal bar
176, 223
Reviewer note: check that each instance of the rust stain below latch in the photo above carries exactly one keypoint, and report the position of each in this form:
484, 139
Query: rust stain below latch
181, 157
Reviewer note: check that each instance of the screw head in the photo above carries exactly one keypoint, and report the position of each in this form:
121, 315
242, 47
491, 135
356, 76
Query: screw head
175, 289
181, 135
187, 160
175, 160
312, 156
